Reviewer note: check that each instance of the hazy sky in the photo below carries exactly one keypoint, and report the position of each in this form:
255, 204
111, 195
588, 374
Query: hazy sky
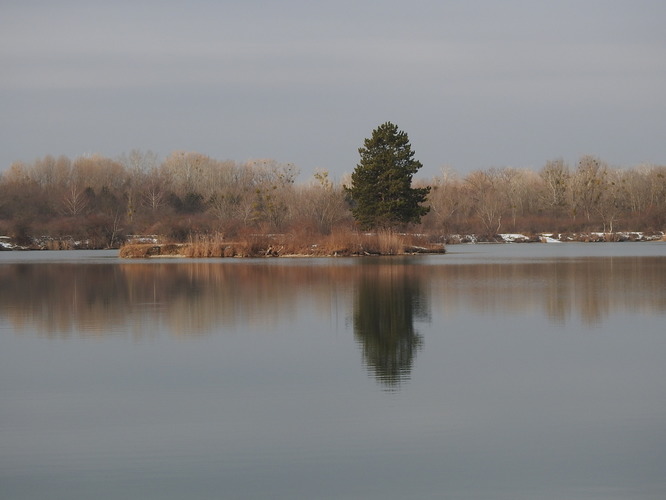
475, 83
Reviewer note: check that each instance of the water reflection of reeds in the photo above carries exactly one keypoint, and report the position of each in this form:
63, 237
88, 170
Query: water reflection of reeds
202, 297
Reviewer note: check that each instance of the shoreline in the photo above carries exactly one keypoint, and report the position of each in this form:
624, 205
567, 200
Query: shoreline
358, 245
222, 249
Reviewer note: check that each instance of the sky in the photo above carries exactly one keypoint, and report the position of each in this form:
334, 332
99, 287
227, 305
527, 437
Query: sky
476, 84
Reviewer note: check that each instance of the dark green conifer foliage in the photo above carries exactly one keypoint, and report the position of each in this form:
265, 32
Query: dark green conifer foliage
381, 191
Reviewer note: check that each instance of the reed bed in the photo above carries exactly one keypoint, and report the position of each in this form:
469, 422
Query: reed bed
339, 243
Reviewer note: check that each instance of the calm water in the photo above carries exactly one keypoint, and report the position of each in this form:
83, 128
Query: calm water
492, 372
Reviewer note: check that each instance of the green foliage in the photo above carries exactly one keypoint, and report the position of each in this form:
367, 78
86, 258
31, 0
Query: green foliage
381, 192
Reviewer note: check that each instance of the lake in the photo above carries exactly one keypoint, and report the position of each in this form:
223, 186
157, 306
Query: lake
518, 371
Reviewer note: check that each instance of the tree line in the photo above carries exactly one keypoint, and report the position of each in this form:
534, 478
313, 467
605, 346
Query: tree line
102, 200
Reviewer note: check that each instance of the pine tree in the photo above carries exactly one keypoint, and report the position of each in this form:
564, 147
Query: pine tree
381, 191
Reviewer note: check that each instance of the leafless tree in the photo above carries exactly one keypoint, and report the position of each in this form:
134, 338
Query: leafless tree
74, 200
489, 205
323, 202
556, 179
588, 185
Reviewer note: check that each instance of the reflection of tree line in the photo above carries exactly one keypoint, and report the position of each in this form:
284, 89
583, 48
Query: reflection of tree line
61, 299
184, 298
197, 297
389, 295
590, 288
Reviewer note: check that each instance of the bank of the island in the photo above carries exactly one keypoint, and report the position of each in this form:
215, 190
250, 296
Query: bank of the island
285, 245
355, 244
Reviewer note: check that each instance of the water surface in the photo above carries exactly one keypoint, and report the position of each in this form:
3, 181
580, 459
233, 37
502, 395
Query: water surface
491, 372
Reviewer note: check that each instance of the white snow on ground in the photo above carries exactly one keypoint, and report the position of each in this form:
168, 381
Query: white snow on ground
627, 235
592, 236
6, 243
143, 238
517, 237
513, 237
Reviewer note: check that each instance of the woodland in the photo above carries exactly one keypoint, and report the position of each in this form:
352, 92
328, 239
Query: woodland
98, 202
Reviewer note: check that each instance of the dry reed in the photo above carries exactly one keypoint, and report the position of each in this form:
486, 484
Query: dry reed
341, 242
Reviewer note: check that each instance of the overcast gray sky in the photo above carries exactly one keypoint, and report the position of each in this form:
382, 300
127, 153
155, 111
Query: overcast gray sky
475, 83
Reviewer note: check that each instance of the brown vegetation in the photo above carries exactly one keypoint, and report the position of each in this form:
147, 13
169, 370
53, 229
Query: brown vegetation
338, 243
226, 208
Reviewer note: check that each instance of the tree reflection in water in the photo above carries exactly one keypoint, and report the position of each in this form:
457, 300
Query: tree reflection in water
383, 297
388, 298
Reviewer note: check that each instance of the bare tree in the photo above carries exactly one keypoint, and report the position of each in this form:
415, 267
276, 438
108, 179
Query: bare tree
52, 173
556, 179
74, 200
613, 202
489, 205
323, 202
445, 200
588, 184
512, 183
153, 190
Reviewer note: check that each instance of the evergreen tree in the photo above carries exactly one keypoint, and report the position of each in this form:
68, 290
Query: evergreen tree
381, 191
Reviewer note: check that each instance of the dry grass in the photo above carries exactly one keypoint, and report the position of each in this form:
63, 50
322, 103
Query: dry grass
206, 246
342, 242
144, 250
59, 245
390, 243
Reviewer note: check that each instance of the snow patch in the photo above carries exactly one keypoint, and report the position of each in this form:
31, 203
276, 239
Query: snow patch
513, 237
5, 243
